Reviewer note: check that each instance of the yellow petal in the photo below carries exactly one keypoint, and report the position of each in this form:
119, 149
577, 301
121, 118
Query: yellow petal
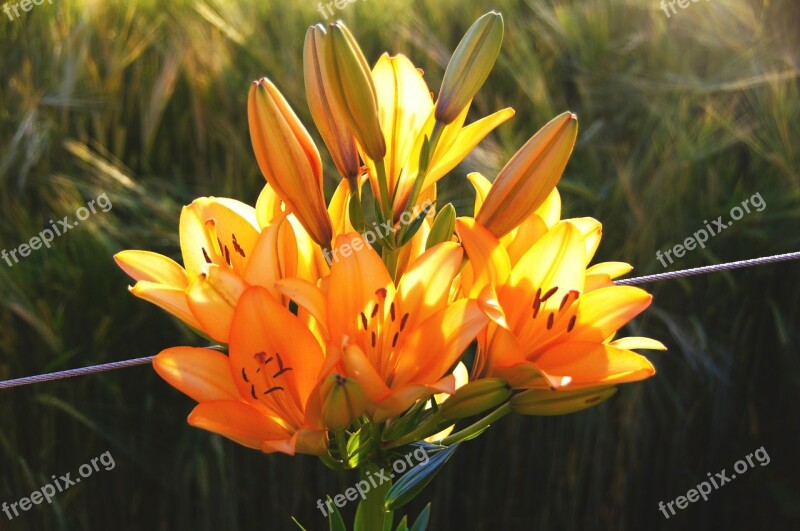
404, 104
268, 206
274, 256
589, 364
200, 373
152, 267
592, 231
630, 343
612, 269
468, 138
490, 263
557, 260
482, 186
167, 298
217, 231
212, 298
604, 311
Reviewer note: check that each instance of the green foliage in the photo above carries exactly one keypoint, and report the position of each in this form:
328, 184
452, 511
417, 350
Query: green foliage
681, 119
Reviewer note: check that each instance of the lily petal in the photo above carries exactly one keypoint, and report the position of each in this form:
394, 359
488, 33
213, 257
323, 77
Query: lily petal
200, 373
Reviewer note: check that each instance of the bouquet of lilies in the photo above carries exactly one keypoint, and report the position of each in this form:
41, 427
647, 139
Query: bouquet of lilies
345, 329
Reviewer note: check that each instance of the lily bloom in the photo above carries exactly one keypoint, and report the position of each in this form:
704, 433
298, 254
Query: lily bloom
398, 342
407, 117
265, 394
224, 251
547, 330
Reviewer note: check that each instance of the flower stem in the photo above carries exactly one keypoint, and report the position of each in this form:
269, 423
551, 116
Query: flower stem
478, 427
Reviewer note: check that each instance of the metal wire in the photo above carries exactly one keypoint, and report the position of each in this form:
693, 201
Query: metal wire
708, 269
28, 380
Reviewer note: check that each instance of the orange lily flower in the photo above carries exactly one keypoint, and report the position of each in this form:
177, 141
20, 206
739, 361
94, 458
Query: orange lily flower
224, 250
397, 342
265, 395
547, 330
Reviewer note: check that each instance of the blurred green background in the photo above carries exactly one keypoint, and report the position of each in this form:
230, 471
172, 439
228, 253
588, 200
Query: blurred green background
682, 118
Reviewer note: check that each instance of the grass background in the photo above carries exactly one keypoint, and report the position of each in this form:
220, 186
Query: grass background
682, 118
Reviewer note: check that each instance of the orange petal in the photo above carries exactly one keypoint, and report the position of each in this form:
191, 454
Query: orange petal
420, 297
446, 333
237, 421
200, 373
276, 359
355, 278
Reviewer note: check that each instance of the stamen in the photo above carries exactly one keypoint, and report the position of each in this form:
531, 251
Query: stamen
550, 320
374, 311
273, 389
244, 375
205, 255
395, 338
253, 391
549, 293
571, 324
391, 310
363, 320
403, 321
374, 339
237, 247
227, 255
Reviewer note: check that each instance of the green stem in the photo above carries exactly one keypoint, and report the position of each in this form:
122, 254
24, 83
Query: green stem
426, 429
479, 426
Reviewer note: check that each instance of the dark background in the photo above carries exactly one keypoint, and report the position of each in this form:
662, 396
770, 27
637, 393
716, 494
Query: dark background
682, 118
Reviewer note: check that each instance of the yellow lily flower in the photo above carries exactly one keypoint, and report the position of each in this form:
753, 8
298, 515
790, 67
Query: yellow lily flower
407, 116
224, 251
547, 330
265, 395
384, 334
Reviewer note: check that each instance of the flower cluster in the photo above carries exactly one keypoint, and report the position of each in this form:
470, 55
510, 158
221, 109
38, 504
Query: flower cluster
374, 343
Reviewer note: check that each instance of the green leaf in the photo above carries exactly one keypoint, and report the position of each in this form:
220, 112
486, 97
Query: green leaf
405, 424
335, 518
298, 523
443, 226
421, 523
358, 447
403, 525
413, 227
407, 488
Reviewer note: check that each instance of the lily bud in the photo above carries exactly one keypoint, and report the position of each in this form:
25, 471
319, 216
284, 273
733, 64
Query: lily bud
352, 89
475, 398
288, 158
342, 402
529, 177
469, 66
549, 402
340, 141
